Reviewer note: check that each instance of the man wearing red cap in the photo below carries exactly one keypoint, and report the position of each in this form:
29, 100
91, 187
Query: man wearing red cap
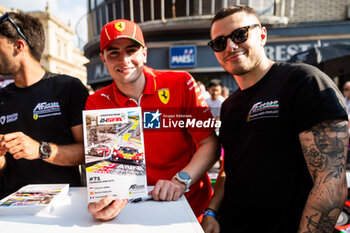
177, 158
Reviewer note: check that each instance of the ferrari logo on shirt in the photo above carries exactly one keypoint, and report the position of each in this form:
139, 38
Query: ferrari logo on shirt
164, 95
120, 26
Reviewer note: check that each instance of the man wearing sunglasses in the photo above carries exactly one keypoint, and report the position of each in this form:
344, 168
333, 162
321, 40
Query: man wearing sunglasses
40, 113
285, 137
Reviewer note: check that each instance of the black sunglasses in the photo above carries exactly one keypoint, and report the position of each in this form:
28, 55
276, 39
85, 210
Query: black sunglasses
238, 36
5, 17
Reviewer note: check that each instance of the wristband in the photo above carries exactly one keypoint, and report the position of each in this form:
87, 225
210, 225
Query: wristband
210, 209
210, 213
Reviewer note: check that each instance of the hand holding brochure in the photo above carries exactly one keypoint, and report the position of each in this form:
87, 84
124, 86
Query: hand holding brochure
33, 198
114, 153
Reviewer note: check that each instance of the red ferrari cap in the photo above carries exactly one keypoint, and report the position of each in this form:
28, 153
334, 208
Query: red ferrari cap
121, 28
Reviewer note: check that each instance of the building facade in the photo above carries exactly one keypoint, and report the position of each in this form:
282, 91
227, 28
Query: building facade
177, 32
60, 55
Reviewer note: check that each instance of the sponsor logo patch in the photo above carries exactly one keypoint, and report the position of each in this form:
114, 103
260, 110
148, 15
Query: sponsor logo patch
120, 26
8, 118
261, 110
46, 109
164, 95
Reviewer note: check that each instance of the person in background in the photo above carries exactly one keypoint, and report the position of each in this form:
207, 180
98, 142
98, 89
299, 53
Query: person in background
284, 132
203, 90
346, 93
225, 92
178, 159
215, 100
41, 134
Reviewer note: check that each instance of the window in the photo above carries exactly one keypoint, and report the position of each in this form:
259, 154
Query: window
91, 4
59, 51
98, 2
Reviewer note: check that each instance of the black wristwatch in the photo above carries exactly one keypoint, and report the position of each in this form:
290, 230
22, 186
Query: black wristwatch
184, 177
44, 150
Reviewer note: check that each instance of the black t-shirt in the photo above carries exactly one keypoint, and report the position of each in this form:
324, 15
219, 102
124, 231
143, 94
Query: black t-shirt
267, 180
45, 111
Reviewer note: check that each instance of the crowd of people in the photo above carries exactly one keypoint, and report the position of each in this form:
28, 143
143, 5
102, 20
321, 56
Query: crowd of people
284, 131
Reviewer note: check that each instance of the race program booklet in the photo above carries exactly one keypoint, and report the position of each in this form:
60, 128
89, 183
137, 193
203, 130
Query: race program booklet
114, 153
33, 198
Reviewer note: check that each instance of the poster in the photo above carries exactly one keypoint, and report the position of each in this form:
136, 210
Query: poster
114, 153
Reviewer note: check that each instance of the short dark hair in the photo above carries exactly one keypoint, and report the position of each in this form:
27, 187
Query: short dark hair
214, 83
227, 11
31, 28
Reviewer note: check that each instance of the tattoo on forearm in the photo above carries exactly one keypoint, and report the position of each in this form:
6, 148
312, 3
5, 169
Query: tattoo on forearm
326, 212
324, 225
324, 152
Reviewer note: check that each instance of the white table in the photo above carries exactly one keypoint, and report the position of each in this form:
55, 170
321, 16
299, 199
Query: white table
348, 178
72, 216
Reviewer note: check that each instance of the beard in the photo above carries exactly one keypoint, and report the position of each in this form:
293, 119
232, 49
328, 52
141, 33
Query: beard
6, 67
241, 67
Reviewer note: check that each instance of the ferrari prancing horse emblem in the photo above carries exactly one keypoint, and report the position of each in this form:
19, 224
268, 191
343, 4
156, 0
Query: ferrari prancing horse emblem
164, 95
120, 26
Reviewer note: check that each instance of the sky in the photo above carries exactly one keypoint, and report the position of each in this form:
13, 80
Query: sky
68, 11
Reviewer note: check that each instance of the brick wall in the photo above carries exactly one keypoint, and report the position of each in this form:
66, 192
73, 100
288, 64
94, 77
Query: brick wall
315, 10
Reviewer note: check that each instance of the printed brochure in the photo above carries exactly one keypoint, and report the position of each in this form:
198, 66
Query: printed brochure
33, 198
114, 153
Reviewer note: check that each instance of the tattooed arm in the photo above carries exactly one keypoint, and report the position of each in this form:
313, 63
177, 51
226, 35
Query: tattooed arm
325, 147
